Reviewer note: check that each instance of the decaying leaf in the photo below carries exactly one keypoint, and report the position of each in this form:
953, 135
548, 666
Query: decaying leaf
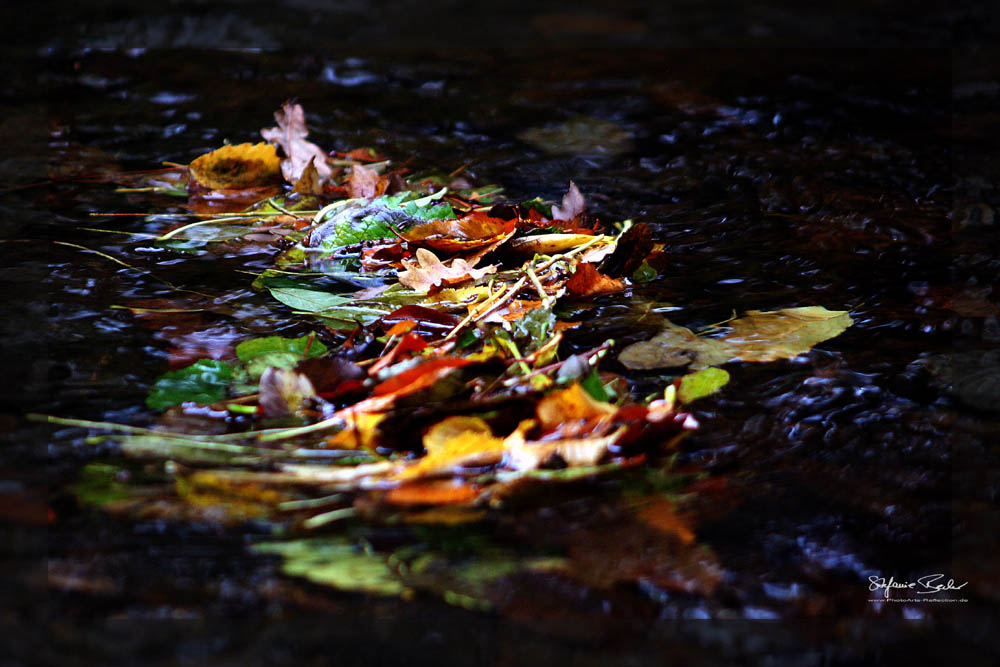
290, 135
429, 272
758, 336
236, 167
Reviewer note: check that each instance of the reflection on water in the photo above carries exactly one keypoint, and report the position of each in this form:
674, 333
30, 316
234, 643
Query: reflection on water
770, 190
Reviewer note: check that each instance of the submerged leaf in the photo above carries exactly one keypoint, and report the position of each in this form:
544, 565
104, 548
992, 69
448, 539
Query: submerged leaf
204, 381
335, 562
758, 336
236, 167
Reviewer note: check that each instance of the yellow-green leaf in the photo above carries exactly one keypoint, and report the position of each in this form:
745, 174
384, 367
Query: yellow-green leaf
701, 384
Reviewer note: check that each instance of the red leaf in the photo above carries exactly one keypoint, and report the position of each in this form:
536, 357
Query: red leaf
421, 377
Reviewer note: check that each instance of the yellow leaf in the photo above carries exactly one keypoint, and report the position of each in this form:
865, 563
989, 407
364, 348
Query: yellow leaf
237, 167
784, 334
359, 433
570, 404
453, 443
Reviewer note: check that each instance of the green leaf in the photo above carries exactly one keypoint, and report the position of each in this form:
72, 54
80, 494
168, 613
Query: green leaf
435, 212
259, 353
98, 484
369, 228
312, 301
593, 386
335, 562
644, 273
701, 384
204, 381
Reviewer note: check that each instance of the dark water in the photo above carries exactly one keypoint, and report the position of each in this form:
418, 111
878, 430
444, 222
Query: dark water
777, 179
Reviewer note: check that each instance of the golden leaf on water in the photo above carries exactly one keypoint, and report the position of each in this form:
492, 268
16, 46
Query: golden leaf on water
237, 167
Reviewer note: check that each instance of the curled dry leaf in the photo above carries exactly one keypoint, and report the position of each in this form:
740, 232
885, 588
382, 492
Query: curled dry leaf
429, 271
474, 231
291, 135
237, 167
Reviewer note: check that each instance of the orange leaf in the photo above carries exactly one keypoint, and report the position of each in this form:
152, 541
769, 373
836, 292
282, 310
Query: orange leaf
572, 403
401, 327
587, 280
449, 492
453, 443
429, 271
661, 514
471, 232
421, 377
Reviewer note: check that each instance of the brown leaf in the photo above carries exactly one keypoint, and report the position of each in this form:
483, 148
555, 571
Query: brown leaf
309, 183
633, 247
572, 205
237, 167
362, 183
291, 135
473, 231
586, 280
283, 392
429, 271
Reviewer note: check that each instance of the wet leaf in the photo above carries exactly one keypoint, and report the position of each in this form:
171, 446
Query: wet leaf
453, 443
311, 301
758, 336
468, 233
204, 381
784, 334
291, 135
550, 244
572, 403
335, 562
310, 182
580, 135
239, 166
587, 281
283, 392
259, 353
432, 492
701, 384
429, 272
421, 377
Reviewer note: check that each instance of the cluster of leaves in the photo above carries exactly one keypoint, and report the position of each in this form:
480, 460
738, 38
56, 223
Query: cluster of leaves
433, 389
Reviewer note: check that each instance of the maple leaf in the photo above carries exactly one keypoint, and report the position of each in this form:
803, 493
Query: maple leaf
429, 271
291, 135
572, 204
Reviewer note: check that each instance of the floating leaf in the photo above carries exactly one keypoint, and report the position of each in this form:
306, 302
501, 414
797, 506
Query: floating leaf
291, 135
236, 167
701, 384
675, 346
312, 301
260, 353
204, 381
